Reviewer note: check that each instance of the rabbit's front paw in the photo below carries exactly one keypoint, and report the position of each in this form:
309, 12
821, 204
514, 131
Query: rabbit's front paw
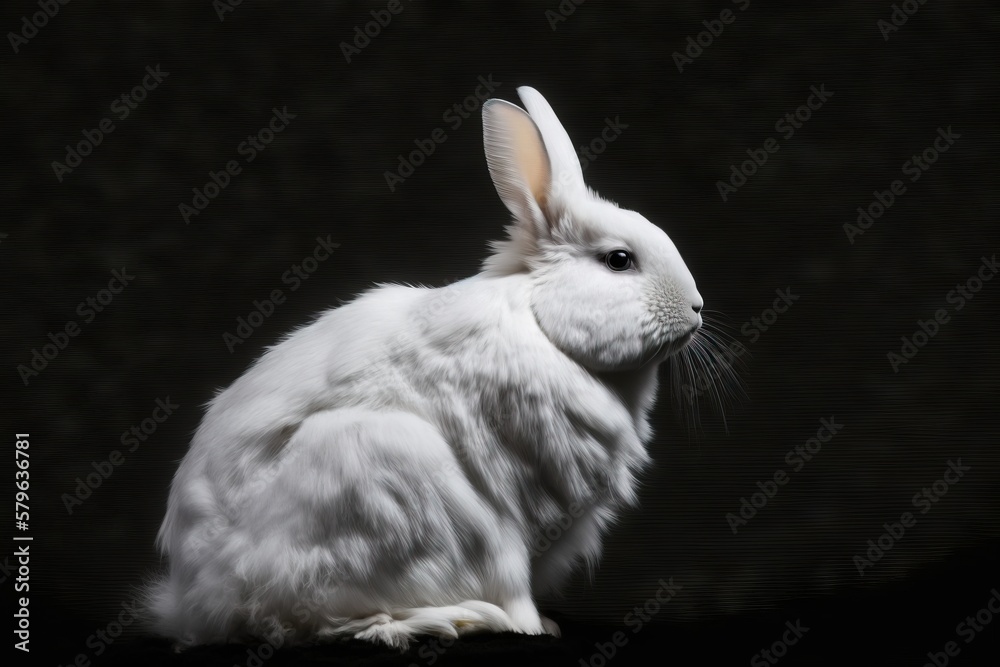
524, 617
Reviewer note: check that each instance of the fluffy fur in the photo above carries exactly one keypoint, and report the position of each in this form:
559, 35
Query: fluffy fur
386, 471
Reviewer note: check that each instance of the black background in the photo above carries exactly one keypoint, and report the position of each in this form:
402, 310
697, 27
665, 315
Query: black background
324, 177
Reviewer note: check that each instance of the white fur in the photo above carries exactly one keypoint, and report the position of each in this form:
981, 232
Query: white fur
384, 471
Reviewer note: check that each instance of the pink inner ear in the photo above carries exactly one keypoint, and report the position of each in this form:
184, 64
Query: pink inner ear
529, 153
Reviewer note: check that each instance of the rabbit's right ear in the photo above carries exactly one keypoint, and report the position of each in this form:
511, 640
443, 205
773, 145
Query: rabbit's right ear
519, 164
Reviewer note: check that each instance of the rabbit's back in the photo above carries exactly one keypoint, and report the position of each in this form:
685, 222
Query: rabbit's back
247, 425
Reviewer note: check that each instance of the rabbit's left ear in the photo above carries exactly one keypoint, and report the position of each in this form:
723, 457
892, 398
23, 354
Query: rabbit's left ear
567, 174
519, 164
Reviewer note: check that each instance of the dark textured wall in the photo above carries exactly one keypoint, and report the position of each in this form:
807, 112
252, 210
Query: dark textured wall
324, 176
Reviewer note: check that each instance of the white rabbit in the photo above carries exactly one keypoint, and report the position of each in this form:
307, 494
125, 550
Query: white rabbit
383, 472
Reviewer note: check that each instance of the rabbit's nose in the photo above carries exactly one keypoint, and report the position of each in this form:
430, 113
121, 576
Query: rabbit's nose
696, 303
695, 317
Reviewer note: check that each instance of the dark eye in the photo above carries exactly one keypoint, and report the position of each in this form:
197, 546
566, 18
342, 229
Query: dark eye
618, 260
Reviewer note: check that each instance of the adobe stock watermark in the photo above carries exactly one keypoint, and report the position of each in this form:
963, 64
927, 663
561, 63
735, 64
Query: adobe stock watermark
927, 329
901, 13
249, 149
796, 459
304, 610
454, 116
915, 167
22, 617
432, 648
121, 107
758, 325
923, 500
545, 536
786, 125
562, 12
223, 7
259, 654
263, 476
589, 152
968, 629
372, 29
713, 28
779, 648
101, 639
435, 305
30, 27
752, 329
131, 438
59, 340
635, 620
293, 278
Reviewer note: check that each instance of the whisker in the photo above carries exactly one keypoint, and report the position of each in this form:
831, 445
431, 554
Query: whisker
708, 370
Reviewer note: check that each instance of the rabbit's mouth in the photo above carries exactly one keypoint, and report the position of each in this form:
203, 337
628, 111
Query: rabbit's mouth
677, 344
671, 346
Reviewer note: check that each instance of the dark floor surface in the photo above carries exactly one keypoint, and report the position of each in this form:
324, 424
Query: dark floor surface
905, 623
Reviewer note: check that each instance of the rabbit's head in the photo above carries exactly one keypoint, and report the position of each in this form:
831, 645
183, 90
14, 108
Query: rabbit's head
609, 288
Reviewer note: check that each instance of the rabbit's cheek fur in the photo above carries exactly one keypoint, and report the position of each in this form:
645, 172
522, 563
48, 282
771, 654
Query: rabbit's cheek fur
596, 318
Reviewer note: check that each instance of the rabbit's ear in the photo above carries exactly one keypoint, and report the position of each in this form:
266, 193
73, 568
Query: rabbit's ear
567, 175
518, 161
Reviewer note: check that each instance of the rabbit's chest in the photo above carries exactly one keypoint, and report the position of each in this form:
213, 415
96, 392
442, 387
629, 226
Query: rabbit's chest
542, 445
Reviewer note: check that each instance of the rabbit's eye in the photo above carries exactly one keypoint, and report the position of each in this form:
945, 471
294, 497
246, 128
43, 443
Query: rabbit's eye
618, 260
